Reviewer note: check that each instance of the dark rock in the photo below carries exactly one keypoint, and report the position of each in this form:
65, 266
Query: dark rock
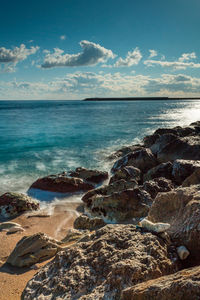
13, 204
94, 176
162, 170
183, 169
85, 223
124, 151
162, 142
114, 258
194, 178
127, 173
33, 249
157, 185
183, 285
181, 209
149, 140
61, 183
142, 159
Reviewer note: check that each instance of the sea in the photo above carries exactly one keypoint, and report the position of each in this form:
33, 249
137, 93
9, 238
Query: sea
38, 138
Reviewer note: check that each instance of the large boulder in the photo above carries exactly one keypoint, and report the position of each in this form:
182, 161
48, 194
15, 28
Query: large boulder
187, 148
162, 142
33, 249
142, 159
127, 173
83, 222
181, 209
194, 178
183, 169
13, 204
114, 187
114, 258
162, 170
158, 185
124, 151
183, 285
120, 206
94, 176
61, 183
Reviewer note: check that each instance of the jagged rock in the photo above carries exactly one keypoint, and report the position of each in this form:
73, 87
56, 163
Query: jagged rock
149, 140
124, 151
181, 209
61, 183
187, 148
116, 186
74, 235
194, 178
114, 258
85, 223
120, 206
127, 173
33, 249
157, 185
162, 142
142, 159
162, 170
183, 285
183, 169
13, 204
93, 176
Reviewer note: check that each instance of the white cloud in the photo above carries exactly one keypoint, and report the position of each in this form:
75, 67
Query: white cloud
91, 55
16, 54
132, 58
63, 37
153, 53
183, 62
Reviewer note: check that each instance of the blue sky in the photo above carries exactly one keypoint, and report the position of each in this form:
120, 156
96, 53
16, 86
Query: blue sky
74, 49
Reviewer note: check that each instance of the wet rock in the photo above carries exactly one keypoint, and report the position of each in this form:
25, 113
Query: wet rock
187, 148
181, 209
124, 151
120, 206
142, 159
94, 176
194, 178
114, 187
157, 185
183, 285
162, 170
162, 142
127, 173
33, 249
61, 183
114, 258
13, 204
149, 140
85, 223
183, 169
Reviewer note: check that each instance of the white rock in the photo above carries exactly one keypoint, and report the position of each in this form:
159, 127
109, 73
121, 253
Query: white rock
157, 227
183, 252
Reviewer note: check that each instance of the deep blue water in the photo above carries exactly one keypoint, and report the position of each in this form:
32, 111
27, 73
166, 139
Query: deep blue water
42, 137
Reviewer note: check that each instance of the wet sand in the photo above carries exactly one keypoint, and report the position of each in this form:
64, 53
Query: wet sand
13, 280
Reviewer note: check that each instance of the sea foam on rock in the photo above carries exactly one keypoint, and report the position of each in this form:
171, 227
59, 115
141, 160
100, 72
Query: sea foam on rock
115, 257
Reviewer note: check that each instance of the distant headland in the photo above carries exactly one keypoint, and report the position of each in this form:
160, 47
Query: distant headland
140, 98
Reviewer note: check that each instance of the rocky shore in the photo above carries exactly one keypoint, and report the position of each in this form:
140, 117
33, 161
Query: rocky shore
136, 235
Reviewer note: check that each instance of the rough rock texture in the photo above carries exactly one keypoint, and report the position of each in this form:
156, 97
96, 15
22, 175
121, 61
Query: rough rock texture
162, 170
183, 285
181, 209
161, 142
12, 204
94, 176
114, 187
120, 206
181, 148
33, 249
157, 185
124, 151
142, 159
115, 257
85, 223
74, 235
194, 178
183, 169
127, 173
60, 183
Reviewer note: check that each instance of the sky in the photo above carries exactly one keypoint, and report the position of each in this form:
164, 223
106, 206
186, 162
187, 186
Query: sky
73, 49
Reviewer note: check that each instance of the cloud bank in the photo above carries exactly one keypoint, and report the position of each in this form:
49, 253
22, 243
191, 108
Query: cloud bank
92, 54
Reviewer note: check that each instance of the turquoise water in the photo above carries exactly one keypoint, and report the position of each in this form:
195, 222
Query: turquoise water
43, 137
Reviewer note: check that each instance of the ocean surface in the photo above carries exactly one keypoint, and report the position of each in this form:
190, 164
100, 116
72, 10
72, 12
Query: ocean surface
38, 138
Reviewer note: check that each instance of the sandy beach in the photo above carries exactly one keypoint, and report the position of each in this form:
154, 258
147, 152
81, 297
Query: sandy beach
13, 280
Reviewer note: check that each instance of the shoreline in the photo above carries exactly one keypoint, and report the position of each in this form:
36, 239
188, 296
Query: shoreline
139, 98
